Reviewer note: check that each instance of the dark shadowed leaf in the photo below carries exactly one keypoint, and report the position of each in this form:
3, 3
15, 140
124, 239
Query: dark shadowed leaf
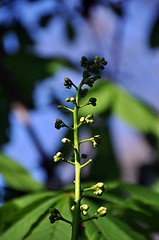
104, 163
44, 21
109, 228
142, 194
154, 37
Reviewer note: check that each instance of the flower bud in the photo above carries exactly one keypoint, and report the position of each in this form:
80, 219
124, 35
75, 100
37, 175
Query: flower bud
82, 119
84, 62
98, 192
67, 99
59, 107
89, 116
84, 207
59, 123
72, 99
59, 154
66, 140
91, 121
99, 185
84, 213
55, 215
73, 208
58, 157
83, 156
87, 120
102, 211
92, 101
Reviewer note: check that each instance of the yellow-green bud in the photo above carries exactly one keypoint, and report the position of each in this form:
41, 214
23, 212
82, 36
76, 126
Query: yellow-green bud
87, 120
91, 121
99, 185
102, 211
72, 99
82, 119
84, 207
73, 208
59, 154
98, 192
90, 116
84, 213
66, 140
67, 99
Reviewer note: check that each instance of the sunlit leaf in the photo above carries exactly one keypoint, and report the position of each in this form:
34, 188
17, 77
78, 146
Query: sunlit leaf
19, 206
30, 219
122, 104
59, 230
142, 194
16, 176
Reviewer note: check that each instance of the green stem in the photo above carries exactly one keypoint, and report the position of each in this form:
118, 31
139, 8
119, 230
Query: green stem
85, 104
90, 160
86, 140
65, 220
88, 219
72, 163
76, 214
69, 109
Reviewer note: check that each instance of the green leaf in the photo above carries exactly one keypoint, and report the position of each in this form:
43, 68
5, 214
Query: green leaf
111, 96
142, 194
28, 70
119, 202
155, 186
108, 228
16, 176
59, 230
19, 206
29, 220
104, 163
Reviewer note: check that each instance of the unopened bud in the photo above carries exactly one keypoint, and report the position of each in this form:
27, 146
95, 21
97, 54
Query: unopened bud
72, 99
82, 119
83, 156
66, 140
84, 213
102, 211
67, 99
73, 208
59, 154
84, 207
90, 116
59, 107
99, 185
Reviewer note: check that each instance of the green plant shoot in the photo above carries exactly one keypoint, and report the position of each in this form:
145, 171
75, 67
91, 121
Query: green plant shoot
89, 77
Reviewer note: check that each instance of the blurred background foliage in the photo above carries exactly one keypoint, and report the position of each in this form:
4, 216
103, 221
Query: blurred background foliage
24, 66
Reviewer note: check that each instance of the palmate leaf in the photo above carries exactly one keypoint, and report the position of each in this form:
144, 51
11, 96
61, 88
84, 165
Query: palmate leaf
108, 228
113, 97
33, 220
132, 197
19, 206
16, 176
142, 194
104, 157
59, 230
